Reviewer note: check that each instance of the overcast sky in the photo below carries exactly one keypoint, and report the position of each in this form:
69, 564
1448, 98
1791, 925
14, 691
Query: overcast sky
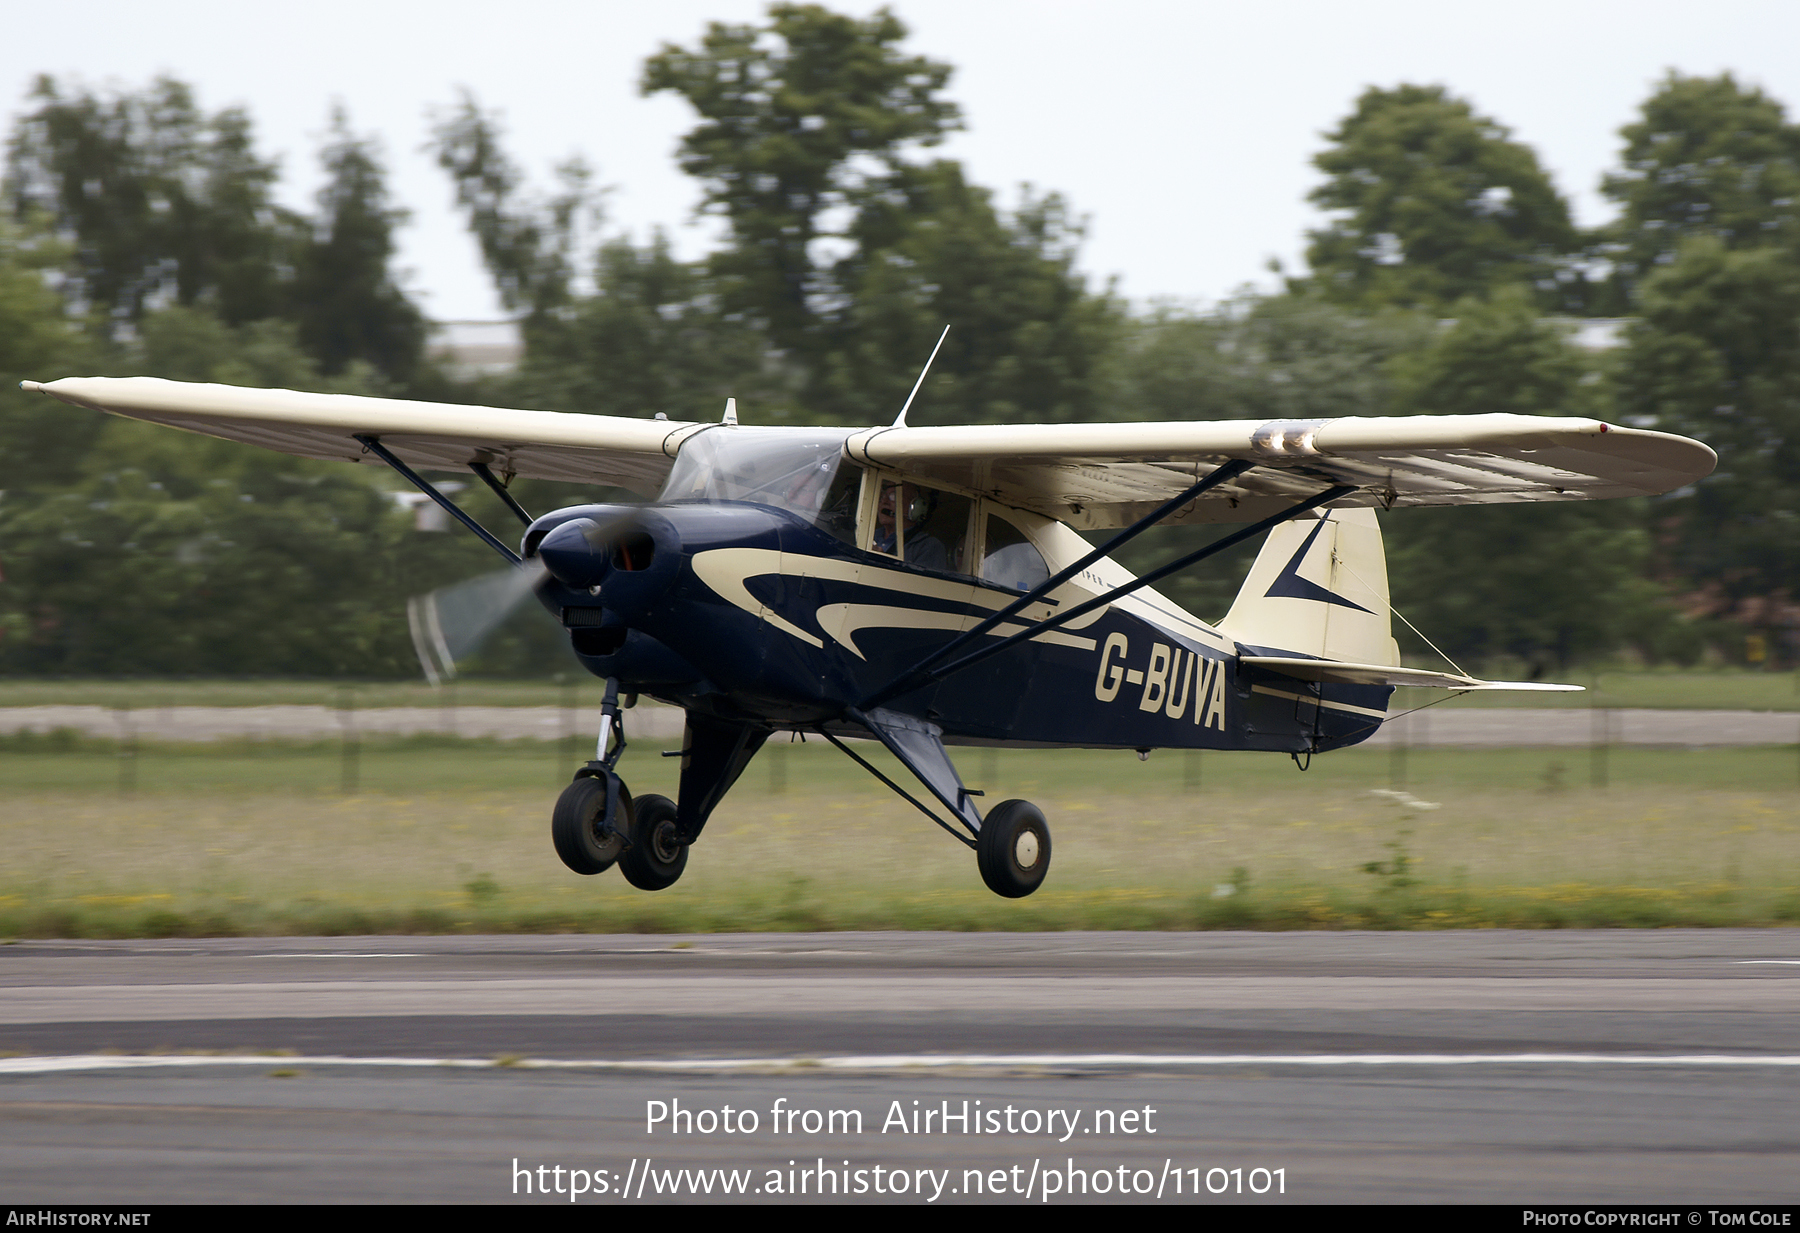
1183, 131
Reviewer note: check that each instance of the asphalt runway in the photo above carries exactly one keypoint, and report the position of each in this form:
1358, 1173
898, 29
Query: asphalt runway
1573, 1067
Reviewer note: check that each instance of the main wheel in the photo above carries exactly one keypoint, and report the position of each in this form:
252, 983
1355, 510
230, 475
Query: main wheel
579, 826
1013, 849
656, 856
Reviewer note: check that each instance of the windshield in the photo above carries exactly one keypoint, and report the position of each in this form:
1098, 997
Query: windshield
801, 470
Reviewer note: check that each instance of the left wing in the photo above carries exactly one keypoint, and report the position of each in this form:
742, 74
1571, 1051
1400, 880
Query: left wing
1110, 475
594, 449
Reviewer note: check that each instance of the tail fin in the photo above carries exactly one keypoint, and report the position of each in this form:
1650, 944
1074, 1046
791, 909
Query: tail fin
1319, 587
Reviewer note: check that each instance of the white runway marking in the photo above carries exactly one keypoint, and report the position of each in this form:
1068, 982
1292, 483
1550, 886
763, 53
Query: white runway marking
341, 954
902, 1062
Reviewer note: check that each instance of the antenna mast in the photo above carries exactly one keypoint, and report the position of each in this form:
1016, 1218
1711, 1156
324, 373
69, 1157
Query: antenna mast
900, 420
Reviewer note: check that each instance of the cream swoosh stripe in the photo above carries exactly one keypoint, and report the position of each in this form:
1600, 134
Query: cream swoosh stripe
844, 621
727, 570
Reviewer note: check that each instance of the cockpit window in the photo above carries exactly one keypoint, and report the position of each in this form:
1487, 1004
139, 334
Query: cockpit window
797, 469
926, 527
1011, 561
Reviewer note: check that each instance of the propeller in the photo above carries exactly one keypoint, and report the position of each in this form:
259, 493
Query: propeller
451, 623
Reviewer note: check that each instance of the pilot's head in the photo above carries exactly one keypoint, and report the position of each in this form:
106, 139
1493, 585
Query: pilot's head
918, 505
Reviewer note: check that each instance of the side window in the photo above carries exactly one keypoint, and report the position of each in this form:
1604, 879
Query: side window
837, 511
926, 527
1010, 560
937, 530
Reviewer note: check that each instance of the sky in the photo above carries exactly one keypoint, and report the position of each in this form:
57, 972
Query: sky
1183, 132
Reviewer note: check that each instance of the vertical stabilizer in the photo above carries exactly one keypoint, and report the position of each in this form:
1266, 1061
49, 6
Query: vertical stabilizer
1319, 587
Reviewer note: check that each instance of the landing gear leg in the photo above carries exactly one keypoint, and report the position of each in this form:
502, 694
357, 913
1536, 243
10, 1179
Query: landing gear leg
1012, 844
595, 818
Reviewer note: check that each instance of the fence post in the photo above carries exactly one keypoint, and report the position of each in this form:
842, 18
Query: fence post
350, 776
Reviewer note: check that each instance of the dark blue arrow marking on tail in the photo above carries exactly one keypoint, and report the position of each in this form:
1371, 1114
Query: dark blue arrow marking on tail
1289, 584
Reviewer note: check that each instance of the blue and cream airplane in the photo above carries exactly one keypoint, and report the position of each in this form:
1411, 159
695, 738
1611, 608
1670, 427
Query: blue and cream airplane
927, 586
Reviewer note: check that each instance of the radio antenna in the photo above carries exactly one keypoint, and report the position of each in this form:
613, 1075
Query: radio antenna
900, 420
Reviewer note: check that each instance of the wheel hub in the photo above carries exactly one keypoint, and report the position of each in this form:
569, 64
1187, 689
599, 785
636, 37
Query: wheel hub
1025, 849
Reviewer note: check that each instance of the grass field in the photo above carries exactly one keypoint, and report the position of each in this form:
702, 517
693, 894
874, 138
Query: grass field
1724, 690
433, 834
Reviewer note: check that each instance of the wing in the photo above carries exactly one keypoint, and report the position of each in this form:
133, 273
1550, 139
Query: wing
1110, 475
594, 449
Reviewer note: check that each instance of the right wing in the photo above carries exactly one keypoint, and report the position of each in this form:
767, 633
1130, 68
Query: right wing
1110, 475
592, 449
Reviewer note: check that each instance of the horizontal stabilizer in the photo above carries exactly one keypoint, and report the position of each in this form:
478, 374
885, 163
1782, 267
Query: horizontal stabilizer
1381, 674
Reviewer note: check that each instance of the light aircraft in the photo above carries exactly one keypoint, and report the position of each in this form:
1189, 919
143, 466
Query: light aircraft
926, 586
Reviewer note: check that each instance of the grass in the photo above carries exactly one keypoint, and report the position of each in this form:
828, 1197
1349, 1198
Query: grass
442, 835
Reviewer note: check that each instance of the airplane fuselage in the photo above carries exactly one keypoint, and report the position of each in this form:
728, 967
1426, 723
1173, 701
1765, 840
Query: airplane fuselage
748, 612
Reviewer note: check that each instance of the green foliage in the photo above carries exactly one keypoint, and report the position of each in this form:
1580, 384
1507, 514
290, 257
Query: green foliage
1280, 357
159, 204
1716, 354
157, 199
528, 244
849, 258
1396, 873
651, 339
1545, 583
1708, 157
1432, 203
1027, 341
346, 305
808, 116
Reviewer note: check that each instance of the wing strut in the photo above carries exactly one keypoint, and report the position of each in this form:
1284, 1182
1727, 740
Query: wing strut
916, 675
375, 447
920, 677
487, 477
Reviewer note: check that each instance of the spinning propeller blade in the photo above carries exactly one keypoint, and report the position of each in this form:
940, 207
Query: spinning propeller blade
452, 622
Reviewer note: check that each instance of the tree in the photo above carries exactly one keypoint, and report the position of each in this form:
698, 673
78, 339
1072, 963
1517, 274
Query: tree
845, 260
1545, 582
41, 444
1255, 358
1433, 202
527, 243
1707, 157
1716, 355
650, 339
346, 304
157, 201
1027, 340
1263, 357
807, 118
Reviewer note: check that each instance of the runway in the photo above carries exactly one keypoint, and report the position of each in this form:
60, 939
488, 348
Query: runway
1489, 1066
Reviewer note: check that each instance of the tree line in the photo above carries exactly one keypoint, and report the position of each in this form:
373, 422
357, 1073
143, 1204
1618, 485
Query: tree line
141, 236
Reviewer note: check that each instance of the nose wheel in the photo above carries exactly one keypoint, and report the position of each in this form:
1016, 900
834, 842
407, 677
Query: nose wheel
1013, 849
592, 821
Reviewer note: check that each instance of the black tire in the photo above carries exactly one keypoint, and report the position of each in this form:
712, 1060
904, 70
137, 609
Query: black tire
577, 826
1013, 849
656, 856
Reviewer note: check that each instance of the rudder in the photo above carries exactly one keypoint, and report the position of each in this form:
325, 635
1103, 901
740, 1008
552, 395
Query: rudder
1319, 587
